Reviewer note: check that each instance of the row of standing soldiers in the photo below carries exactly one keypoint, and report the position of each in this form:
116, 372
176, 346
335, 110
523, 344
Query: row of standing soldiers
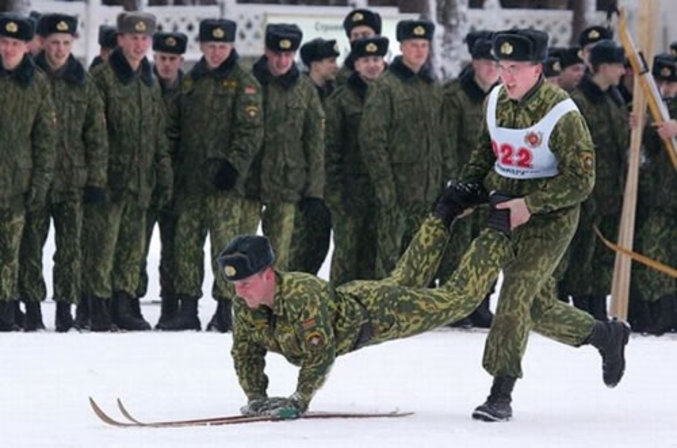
108, 154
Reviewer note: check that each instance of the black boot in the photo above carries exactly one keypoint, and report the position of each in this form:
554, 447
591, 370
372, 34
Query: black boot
124, 315
598, 307
33, 317
136, 307
169, 307
82, 315
99, 315
661, 316
7, 309
19, 315
222, 321
610, 338
482, 316
582, 302
497, 407
186, 318
63, 319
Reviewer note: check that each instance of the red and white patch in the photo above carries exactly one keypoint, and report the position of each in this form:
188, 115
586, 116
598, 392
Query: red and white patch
250, 90
533, 139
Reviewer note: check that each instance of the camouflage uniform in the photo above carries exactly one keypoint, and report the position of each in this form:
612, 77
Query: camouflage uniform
401, 138
291, 163
138, 160
28, 133
349, 192
81, 160
312, 322
527, 299
220, 121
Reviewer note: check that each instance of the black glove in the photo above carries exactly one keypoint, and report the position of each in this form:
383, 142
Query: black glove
313, 208
499, 219
457, 197
93, 194
226, 177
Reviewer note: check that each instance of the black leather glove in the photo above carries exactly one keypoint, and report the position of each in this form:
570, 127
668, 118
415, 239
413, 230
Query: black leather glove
226, 177
499, 219
93, 194
457, 197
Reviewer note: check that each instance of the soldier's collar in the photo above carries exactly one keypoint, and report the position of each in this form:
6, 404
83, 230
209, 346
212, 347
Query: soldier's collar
263, 75
72, 72
470, 87
357, 85
124, 71
591, 90
176, 85
399, 69
200, 70
23, 73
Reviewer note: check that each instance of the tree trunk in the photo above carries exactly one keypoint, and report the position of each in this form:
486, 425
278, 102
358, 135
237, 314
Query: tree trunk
452, 17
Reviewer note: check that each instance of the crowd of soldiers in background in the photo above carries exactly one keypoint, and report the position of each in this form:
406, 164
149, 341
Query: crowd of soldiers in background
362, 151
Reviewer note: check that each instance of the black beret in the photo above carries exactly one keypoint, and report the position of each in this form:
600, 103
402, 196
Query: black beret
594, 34
217, 30
606, 52
57, 23
283, 37
170, 42
245, 256
108, 36
371, 46
552, 66
673, 48
415, 29
665, 67
362, 17
318, 49
17, 27
521, 45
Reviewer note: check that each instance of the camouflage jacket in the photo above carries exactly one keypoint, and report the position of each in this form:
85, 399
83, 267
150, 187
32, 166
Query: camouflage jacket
82, 142
27, 133
463, 114
658, 182
310, 324
170, 92
137, 131
347, 69
606, 114
401, 136
290, 165
347, 175
570, 142
220, 120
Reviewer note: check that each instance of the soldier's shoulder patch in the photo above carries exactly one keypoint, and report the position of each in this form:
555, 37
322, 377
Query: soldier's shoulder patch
250, 90
315, 340
588, 161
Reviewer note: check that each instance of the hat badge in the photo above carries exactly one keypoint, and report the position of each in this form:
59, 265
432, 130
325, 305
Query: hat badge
557, 66
506, 48
666, 72
140, 26
580, 54
12, 27
230, 270
285, 44
593, 34
218, 33
371, 47
419, 31
170, 42
674, 51
358, 16
62, 26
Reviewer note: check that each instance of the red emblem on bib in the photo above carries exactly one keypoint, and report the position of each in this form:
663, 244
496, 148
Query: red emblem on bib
533, 139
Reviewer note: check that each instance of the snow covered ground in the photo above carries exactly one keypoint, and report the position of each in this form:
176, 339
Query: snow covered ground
46, 378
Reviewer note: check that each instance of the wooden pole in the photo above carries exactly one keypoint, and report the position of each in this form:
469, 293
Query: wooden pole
620, 287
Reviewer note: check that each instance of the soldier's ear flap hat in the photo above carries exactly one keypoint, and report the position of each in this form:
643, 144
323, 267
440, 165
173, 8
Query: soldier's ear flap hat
362, 17
174, 43
17, 27
371, 46
522, 45
245, 256
571, 56
318, 49
594, 34
283, 37
57, 23
415, 29
217, 30
136, 22
479, 44
552, 67
606, 52
673, 48
108, 36
665, 67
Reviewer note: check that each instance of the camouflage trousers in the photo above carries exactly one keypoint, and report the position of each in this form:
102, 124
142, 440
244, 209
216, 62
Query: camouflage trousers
166, 221
114, 234
11, 228
277, 221
250, 216
218, 215
401, 306
67, 216
310, 241
394, 229
657, 239
354, 254
528, 299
